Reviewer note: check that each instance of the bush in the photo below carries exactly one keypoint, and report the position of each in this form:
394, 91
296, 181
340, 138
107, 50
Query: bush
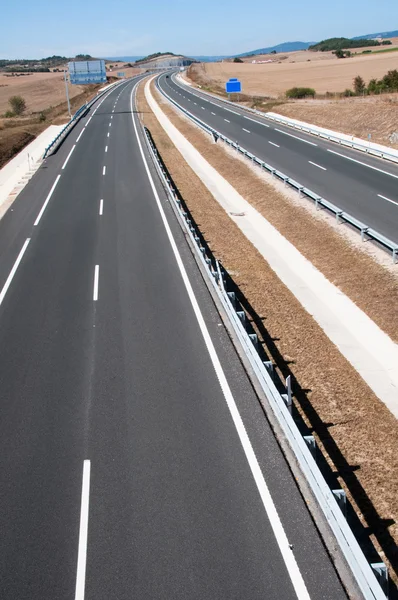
17, 104
9, 114
348, 93
42, 117
359, 85
300, 92
237, 60
386, 43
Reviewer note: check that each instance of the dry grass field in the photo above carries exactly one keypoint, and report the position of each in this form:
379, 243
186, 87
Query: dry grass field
323, 73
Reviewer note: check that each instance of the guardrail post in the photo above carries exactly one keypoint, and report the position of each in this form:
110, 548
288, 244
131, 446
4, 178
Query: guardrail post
338, 215
242, 316
288, 397
270, 368
300, 189
311, 443
341, 498
363, 231
394, 255
232, 298
381, 572
254, 339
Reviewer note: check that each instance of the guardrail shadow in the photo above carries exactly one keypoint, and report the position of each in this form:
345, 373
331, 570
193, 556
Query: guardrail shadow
376, 525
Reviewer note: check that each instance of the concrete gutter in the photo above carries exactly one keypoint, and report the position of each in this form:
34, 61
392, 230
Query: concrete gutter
369, 350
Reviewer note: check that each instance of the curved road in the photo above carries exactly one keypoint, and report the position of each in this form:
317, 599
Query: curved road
364, 186
122, 472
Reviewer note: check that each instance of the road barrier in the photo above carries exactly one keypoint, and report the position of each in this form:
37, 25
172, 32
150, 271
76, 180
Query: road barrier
341, 216
372, 580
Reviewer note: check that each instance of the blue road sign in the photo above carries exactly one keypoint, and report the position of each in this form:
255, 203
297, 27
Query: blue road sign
87, 71
233, 86
121, 74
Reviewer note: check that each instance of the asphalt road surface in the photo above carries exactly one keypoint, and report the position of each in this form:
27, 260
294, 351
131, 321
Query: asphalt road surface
135, 460
364, 186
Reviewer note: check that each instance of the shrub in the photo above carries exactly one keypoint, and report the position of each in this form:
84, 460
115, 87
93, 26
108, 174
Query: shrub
18, 104
42, 117
8, 114
348, 93
237, 60
359, 85
300, 92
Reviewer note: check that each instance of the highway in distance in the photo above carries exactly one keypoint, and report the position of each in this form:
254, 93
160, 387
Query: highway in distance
364, 186
135, 459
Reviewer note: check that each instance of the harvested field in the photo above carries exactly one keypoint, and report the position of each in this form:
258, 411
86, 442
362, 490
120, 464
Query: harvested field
353, 428
353, 116
327, 75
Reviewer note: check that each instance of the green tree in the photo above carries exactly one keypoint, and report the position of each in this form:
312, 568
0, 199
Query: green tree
18, 104
359, 85
237, 60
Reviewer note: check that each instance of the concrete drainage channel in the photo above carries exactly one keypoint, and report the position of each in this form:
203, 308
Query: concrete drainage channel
341, 216
370, 579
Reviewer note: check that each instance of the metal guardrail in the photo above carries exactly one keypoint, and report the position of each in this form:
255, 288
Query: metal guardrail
317, 131
369, 578
81, 112
320, 202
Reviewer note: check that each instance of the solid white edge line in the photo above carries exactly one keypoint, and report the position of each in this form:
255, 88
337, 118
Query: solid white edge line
96, 280
43, 208
362, 163
103, 170
273, 516
296, 137
80, 135
13, 271
83, 532
316, 165
68, 157
388, 199
272, 143
101, 207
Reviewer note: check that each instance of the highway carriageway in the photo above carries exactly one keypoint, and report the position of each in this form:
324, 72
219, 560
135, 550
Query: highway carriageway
363, 186
135, 459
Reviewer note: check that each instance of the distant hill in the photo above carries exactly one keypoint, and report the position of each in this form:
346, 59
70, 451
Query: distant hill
371, 36
285, 47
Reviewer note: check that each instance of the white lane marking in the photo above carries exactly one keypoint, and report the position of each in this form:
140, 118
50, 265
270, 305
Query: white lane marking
111, 117
110, 124
203, 108
227, 120
107, 135
296, 137
13, 271
269, 506
195, 103
96, 279
80, 135
363, 164
68, 157
188, 100
43, 208
106, 148
247, 131
274, 144
388, 199
89, 121
104, 170
82, 552
255, 121
315, 165
113, 110
213, 113
101, 207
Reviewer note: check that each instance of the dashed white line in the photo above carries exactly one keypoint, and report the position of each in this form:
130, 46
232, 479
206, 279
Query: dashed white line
247, 131
388, 199
315, 165
96, 280
272, 143
110, 124
43, 208
296, 137
188, 100
107, 135
13, 271
203, 108
104, 170
106, 148
80, 135
82, 551
213, 113
101, 207
195, 103
68, 157
111, 117
363, 164
255, 121
226, 120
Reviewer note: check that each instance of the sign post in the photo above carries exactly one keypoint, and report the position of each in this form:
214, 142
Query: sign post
67, 94
233, 86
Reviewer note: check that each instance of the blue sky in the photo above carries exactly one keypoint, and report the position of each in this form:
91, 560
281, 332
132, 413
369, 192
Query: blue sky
37, 29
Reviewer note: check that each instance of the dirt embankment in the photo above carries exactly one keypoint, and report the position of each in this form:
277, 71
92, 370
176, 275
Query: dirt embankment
355, 431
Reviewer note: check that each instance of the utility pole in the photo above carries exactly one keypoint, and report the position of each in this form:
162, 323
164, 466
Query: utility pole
67, 93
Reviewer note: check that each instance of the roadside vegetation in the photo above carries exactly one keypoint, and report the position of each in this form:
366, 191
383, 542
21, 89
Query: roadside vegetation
344, 44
